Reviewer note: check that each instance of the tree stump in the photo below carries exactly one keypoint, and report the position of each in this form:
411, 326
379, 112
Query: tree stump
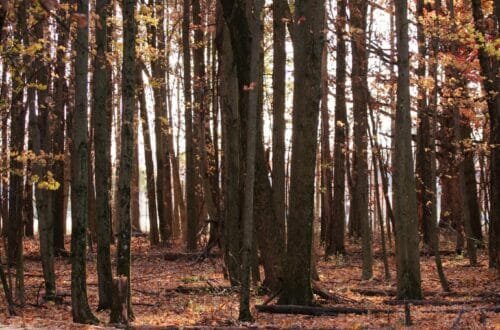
119, 305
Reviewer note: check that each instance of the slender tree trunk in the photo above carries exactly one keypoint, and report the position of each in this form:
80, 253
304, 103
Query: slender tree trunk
4, 159
134, 182
423, 156
270, 228
191, 198
337, 230
326, 157
405, 199
58, 122
359, 203
279, 124
154, 237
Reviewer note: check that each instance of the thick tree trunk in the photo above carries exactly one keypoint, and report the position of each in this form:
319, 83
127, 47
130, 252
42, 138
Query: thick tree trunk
231, 149
79, 176
489, 68
308, 46
253, 11
101, 110
405, 199
129, 78
42, 144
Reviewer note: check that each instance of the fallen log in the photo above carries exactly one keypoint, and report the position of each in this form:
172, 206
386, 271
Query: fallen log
332, 297
392, 292
440, 302
174, 256
492, 309
197, 289
316, 311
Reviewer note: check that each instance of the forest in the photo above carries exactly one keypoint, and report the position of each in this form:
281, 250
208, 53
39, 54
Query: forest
210, 164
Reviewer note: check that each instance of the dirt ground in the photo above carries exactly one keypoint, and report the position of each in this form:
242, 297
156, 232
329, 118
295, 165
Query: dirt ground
158, 302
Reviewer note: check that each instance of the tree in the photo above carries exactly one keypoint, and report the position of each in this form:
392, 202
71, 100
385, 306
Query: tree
42, 146
100, 112
18, 109
279, 124
191, 200
491, 83
154, 237
335, 244
129, 79
79, 172
405, 199
358, 219
307, 42
60, 95
231, 147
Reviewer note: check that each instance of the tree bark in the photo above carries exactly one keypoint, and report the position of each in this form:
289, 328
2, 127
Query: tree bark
337, 230
101, 110
308, 46
279, 124
231, 149
129, 78
405, 199
191, 198
489, 69
154, 237
79, 175
59, 127
359, 222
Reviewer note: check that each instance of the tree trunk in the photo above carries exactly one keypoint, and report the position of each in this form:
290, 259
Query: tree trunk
489, 69
58, 122
135, 214
191, 198
337, 229
359, 203
279, 124
231, 149
101, 110
79, 176
308, 46
405, 199
129, 78
270, 229
424, 175
326, 157
154, 237
42, 145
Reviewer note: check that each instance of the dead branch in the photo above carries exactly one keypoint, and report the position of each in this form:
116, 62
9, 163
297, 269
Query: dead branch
316, 311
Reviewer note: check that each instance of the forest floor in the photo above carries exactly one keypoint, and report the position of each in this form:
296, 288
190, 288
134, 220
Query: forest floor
186, 293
